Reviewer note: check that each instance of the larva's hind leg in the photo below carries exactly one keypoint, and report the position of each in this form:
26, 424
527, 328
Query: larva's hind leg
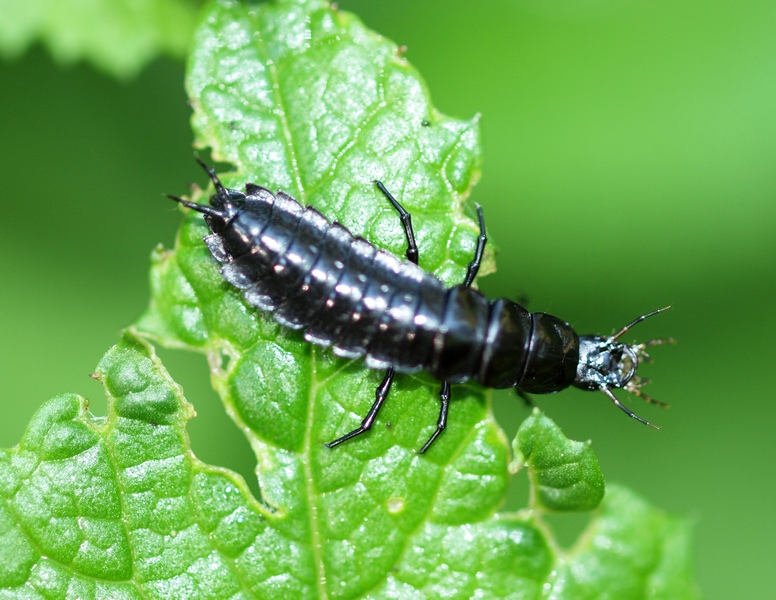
381, 393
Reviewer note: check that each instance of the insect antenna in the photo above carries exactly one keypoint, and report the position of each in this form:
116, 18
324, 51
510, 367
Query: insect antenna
214, 178
638, 320
203, 208
625, 409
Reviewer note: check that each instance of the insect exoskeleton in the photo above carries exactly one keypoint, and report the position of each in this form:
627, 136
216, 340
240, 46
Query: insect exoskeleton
313, 275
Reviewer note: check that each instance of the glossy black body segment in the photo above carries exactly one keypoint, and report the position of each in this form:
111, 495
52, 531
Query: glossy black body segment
343, 292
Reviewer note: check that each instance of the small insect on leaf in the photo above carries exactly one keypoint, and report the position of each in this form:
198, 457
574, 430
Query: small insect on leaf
343, 292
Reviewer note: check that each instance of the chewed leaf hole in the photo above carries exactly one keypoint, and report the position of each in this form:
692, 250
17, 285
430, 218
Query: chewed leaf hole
568, 527
215, 438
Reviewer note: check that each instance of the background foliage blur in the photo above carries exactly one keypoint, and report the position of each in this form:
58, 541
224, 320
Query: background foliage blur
629, 164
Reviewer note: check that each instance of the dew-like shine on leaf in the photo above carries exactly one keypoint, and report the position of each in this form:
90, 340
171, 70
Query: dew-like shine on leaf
298, 96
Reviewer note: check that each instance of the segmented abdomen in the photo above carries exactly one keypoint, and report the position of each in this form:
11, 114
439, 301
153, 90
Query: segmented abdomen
345, 293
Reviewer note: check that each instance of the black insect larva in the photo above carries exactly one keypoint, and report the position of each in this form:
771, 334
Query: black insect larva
314, 275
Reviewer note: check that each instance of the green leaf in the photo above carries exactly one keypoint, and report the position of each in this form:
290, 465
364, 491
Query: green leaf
116, 36
118, 507
322, 112
565, 475
630, 550
299, 96
303, 98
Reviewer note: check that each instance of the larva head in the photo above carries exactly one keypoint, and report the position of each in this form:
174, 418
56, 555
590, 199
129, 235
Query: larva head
606, 364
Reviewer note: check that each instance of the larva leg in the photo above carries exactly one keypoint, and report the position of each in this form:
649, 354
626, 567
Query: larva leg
444, 398
471, 273
381, 393
406, 221
474, 265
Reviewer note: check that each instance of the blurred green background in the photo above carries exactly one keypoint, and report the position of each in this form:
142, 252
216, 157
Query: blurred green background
629, 163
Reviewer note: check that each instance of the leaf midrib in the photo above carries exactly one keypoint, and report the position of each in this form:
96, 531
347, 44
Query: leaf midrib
312, 494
